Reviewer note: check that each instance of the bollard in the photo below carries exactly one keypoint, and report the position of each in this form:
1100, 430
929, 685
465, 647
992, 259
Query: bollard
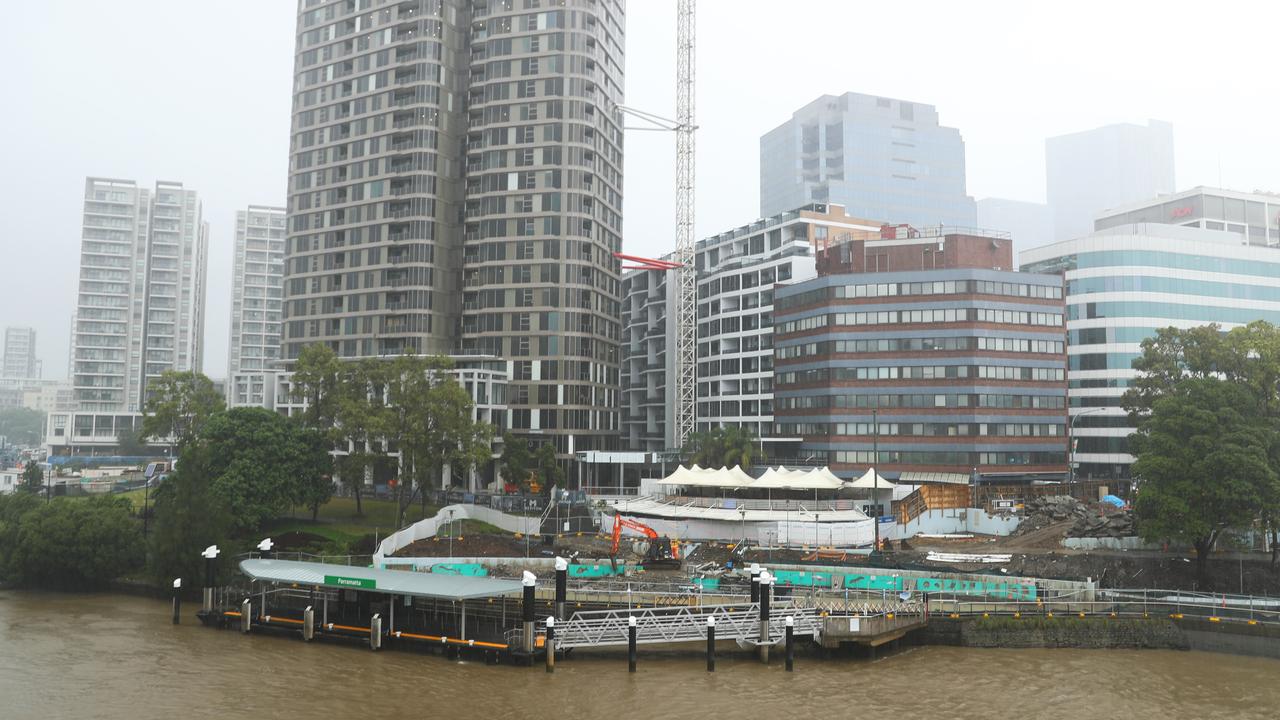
530, 581
177, 599
210, 556
766, 590
711, 643
562, 586
375, 632
755, 583
308, 624
551, 644
791, 654
246, 615
631, 643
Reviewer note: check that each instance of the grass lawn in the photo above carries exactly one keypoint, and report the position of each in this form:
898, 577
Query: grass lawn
339, 523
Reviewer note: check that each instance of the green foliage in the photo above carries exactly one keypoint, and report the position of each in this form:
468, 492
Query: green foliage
1203, 460
315, 380
33, 478
189, 516
178, 405
12, 509
515, 461
23, 426
724, 447
131, 442
261, 464
71, 545
549, 469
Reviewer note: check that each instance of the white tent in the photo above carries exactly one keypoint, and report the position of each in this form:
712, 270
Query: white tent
784, 479
871, 480
706, 477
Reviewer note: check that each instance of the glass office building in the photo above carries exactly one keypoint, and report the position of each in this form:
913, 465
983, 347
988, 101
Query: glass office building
1124, 282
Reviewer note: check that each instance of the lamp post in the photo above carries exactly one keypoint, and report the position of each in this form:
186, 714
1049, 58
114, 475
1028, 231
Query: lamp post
742, 512
451, 533
1071, 438
875, 477
265, 546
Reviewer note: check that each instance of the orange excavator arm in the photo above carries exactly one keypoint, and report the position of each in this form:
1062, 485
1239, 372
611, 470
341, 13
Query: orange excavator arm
620, 521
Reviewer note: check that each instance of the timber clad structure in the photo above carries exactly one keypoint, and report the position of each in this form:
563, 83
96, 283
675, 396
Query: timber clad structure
961, 362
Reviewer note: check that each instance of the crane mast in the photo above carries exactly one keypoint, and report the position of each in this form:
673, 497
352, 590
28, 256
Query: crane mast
686, 275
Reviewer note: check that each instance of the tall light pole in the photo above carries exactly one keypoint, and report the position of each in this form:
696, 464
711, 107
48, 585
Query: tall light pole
1071, 439
451, 534
875, 477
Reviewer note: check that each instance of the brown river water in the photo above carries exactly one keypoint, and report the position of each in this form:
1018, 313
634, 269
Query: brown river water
118, 657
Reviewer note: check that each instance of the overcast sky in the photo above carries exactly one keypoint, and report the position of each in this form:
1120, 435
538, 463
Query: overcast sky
198, 92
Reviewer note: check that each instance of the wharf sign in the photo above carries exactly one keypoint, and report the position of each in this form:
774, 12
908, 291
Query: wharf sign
350, 582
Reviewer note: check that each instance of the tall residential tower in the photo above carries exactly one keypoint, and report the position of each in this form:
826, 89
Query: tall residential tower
256, 290
456, 186
20, 359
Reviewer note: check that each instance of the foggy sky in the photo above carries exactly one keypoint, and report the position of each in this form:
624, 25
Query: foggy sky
199, 92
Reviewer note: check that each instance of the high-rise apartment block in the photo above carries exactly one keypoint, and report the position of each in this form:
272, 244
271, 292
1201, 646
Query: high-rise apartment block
20, 359
140, 307
920, 353
878, 157
456, 185
256, 290
1127, 281
1089, 172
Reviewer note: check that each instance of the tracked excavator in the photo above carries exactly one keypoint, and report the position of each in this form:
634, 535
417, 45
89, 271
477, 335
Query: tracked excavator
662, 552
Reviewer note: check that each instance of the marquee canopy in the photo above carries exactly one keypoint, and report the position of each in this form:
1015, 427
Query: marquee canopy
779, 478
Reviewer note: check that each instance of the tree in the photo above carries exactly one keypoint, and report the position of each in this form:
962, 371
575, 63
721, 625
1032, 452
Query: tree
22, 426
723, 447
1203, 465
515, 461
429, 417
189, 516
75, 544
131, 442
549, 470
33, 477
261, 464
178, 405
336, 408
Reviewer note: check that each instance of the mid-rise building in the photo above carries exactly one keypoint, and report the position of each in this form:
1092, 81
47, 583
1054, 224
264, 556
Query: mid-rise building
1030, 224
737, 272
256, 290
20, 359
455, 185
1125, 282
923, 353
1089, 172
878, 157
1253, 217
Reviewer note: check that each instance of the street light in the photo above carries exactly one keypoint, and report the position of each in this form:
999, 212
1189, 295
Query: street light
450, 532
1071, 438
265, 547
875, 478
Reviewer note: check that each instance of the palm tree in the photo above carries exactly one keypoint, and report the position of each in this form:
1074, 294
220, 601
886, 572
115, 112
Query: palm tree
724, 446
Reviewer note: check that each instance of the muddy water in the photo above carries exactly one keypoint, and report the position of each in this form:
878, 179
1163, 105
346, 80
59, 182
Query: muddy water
109, 656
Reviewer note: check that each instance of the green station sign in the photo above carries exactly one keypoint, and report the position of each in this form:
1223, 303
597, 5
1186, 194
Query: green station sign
350, 582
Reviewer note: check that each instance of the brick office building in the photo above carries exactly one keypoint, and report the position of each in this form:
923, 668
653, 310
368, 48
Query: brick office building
932, 337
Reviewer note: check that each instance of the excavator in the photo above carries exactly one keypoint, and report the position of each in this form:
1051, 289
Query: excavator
662, 551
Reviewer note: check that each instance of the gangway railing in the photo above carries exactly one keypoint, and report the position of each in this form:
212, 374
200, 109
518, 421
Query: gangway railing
597, 628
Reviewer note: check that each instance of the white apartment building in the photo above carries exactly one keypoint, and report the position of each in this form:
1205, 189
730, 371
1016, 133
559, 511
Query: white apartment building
257, 288
20, 359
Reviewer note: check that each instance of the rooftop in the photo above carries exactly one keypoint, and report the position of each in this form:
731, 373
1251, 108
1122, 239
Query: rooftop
398, 582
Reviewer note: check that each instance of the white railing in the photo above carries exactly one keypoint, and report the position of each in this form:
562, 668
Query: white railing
596, 628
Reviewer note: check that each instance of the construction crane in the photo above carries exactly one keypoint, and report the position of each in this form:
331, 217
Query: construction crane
685, 313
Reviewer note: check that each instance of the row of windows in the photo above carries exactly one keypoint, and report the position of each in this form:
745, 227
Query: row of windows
993, 344
921, 429
962, 459
1176, 286
1171, 311
1104, 335
1102, 361
941, 400
1154, 258
937, 287
940, 315
924, 372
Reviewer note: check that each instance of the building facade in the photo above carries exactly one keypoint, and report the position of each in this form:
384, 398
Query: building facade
1253, 217
140, 305
1125, 282
456, 185
1089, 172
920, 350
878, 157
20, 359
256, 289
737, 272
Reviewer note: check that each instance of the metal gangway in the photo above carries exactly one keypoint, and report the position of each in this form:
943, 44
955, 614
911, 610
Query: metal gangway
598, 628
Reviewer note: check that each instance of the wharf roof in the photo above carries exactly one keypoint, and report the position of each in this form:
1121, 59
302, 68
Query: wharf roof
398, 582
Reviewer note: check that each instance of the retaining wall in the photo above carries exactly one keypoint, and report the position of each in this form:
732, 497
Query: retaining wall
1069, 632
1109, 543
959, 520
